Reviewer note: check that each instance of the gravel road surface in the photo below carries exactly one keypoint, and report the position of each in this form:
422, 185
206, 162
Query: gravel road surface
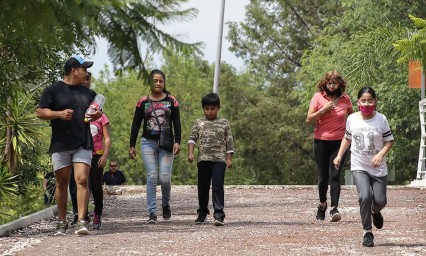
260, 220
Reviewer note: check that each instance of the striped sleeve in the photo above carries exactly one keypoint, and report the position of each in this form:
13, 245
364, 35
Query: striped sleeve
348, 133
387, 134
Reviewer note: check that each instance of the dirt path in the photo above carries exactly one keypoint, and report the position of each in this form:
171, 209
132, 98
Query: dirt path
273, 220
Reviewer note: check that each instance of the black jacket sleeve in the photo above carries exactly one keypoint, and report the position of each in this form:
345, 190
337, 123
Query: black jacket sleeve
176, 123
136, 125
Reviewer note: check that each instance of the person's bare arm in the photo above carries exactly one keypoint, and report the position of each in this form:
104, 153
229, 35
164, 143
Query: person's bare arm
95, 115
132, 153
107, 145
313, 115
191, 156
343, 147
377, 159
48, 114
44, 184
229, 160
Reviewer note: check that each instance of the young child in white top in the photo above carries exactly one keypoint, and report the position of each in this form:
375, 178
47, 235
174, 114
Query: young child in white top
371, 138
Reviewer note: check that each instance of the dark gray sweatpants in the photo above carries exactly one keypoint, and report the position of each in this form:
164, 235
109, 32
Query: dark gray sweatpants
371, 195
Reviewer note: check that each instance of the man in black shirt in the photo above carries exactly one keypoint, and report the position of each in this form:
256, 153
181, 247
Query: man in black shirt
64, 104
114, 176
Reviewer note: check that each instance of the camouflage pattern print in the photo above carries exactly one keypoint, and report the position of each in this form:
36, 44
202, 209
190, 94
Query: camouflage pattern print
214, 139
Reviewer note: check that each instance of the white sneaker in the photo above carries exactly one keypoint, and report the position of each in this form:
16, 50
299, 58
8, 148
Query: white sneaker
335, 215
81, 228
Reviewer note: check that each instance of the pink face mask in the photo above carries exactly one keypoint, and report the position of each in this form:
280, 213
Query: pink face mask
367, 110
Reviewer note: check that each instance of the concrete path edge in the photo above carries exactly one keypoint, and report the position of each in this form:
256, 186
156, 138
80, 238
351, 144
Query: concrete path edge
26, 221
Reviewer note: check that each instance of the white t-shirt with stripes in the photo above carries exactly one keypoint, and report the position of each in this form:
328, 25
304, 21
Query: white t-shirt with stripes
368, 138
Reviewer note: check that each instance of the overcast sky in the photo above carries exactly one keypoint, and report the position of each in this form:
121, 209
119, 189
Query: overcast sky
204, 28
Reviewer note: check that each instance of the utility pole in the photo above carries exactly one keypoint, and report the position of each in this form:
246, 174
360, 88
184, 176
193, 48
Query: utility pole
219, 50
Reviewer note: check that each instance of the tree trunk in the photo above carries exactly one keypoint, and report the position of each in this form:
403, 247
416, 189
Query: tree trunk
9, 153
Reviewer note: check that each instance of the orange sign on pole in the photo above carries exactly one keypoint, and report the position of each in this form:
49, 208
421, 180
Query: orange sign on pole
414, 74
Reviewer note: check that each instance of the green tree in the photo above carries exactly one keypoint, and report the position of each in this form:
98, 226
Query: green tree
275, 34
414, 47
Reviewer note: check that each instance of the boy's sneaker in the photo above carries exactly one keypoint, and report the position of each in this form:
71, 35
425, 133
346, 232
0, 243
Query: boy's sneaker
152, 219
335, 215
61, 228
74, 220
97, 222
81, 228
368, 239
377, 220
321, 212
218, 222
202, 217
167, 213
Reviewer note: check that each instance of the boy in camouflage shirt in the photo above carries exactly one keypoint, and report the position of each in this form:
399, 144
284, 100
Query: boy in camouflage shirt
215, 150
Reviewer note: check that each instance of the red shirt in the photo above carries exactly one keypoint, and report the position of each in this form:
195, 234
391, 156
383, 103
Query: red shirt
331, 125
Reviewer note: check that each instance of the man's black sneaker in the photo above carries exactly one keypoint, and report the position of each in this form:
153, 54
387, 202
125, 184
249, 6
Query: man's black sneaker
74, 220
335, 215
218, 222
368, 239
377, 220
202, 216
152, 219
321, 212
167, 213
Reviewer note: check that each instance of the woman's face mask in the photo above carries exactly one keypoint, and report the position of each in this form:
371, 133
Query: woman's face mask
333, 89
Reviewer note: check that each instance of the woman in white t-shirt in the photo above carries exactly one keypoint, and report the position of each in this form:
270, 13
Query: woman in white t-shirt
371, 138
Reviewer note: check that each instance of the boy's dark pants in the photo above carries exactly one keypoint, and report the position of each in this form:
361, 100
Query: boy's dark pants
213, 172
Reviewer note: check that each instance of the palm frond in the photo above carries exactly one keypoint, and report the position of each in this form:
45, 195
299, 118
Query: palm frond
418, 22
414, 46
20, 129
374, 49
132, 32
8, 182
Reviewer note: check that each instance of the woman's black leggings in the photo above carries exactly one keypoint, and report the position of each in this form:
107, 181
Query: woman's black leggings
96, 176
324, 153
